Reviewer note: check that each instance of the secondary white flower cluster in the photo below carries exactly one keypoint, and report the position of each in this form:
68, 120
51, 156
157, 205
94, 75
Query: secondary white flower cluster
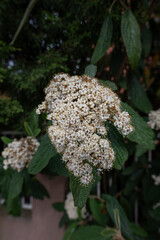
71, 210
19, 153
154, 119
156, 179
78, 107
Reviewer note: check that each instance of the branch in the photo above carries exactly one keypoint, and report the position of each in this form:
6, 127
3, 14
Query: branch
125, 59
96, 197
24, 19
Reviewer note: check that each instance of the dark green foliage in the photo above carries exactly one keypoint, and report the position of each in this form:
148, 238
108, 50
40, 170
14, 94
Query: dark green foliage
104, 40
97, 209
112, 204
80, 192
56, 165
64, 220
42, 156
6, 140
38, 190
47, 44
31, 128
121, 39
143, 134
88, 233
15, 189
118, 145
28, 129
138, 231
138, 96
91, 70
59, 206
155, 214
132, 37
15, 207
9, 109
70, 231
109, 233
109, 84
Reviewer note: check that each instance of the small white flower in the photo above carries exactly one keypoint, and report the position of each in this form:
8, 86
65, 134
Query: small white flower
19, 153
154, 119
71, 210
156, 205
156, 179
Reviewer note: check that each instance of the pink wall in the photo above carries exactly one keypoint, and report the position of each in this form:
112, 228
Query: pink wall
40, 223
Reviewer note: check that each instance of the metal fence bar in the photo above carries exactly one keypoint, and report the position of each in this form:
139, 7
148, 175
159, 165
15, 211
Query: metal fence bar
136, 211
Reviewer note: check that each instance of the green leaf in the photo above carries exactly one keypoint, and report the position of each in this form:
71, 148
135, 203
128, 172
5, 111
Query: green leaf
127, 207
138, 230
58, 166
117, 219
64, 220
109, 233
132, 37
91, 70
129, 170
140, 150
136, 175
142, 134
15, 207
131, 147
5, 184
155, 214
42, 156
38, 190
70, 230
15, 188
107, 83
118, 145
96, 210
34, 118
28, 129
88, 233
36, 132
146, 40
6, 140
129, 187
79, 212
138, 96
104, 40
80, 193
112, 204
59, 206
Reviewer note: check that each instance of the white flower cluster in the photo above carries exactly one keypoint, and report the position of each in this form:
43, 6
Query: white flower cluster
19, 153
71, 210
154, 119
156, 179
78, 107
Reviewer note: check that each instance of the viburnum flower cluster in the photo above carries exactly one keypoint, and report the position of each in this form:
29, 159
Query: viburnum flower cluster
71, 210
78, 107
154, 119
19, 153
